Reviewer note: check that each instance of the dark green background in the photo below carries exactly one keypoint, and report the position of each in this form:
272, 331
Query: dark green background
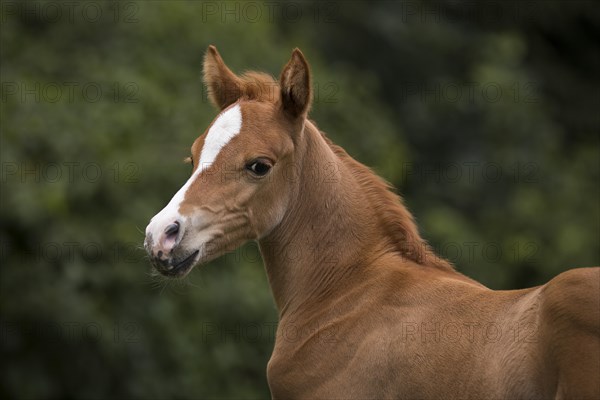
484, 115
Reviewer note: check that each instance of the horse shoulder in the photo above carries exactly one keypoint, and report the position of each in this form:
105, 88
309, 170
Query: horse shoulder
320, 360
571, 324
572, 300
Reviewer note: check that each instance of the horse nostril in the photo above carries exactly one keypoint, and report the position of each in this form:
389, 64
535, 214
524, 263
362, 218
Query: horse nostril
172, 229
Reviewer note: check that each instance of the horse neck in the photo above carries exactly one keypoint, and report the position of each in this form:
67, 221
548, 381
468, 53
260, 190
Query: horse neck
325, 232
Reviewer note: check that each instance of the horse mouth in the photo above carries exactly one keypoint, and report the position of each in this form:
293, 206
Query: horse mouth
182, 267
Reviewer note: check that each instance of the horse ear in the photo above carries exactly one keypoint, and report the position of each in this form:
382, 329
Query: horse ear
295, 82
224, 87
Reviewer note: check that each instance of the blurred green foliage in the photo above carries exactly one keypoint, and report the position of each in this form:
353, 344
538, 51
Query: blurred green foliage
484, 116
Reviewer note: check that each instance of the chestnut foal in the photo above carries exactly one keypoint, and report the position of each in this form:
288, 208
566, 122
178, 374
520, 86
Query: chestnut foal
366, 310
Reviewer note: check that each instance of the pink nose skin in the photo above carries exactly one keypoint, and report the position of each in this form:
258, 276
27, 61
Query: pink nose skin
167, 240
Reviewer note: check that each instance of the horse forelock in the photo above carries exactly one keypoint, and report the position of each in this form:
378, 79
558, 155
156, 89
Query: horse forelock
259, 86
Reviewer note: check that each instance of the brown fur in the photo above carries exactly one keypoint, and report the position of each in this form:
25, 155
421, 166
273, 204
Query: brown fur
391, 213
225, 88
367, 310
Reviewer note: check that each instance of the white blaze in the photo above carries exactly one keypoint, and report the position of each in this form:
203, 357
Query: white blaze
226, 127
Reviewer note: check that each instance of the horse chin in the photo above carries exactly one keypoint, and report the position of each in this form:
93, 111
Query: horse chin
178, 267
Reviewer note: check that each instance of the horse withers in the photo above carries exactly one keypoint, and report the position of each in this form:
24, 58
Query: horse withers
366, 309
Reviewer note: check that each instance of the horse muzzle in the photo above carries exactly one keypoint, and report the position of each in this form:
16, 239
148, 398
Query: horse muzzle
166, 254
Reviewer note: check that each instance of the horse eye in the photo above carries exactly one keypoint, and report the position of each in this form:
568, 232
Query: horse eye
258, 168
